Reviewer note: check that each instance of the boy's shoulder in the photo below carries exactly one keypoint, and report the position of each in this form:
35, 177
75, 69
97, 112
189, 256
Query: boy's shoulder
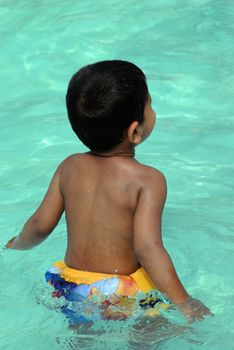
71, 159
151, 174
68, 164
149, 179
153, 187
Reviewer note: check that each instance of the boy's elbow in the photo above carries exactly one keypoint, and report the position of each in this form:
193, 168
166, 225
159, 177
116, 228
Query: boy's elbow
145, 250
38, 227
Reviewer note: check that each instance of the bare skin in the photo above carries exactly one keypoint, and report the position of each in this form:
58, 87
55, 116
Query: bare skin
113, 206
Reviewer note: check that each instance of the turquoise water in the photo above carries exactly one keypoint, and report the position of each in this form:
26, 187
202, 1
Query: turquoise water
186, 51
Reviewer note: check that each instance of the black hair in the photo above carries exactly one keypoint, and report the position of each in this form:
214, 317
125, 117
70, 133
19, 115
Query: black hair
103, 99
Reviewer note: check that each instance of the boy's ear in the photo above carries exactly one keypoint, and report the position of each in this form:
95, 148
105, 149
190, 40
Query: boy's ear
133, 133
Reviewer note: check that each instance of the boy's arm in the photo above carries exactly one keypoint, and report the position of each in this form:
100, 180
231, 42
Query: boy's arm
44, 220
149, 246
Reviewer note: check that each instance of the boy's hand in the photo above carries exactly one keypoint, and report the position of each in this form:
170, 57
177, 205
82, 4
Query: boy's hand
10, 242
194, 310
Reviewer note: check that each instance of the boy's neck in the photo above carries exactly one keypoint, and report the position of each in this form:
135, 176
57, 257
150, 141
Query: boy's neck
113, 154
124, 150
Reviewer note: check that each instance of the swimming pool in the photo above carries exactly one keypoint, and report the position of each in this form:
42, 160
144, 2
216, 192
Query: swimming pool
186, 51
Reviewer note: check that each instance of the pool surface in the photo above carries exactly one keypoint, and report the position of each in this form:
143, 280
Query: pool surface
186, 50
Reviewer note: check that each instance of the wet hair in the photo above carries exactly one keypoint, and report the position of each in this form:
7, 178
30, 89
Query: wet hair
103, 99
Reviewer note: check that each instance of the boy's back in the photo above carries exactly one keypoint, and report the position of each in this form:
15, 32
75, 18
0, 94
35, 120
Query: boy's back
100, 196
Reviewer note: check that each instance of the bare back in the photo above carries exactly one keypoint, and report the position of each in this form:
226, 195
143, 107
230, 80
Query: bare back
100, 196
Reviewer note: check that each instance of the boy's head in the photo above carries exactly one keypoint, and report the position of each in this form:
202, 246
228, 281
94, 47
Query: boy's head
103, 99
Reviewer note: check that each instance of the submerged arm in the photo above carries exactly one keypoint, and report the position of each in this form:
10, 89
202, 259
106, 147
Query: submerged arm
43, 221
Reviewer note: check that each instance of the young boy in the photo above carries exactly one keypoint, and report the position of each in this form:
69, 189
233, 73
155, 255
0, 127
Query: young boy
113, 204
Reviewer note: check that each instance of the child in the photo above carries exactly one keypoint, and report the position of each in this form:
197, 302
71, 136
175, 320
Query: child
113, 204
